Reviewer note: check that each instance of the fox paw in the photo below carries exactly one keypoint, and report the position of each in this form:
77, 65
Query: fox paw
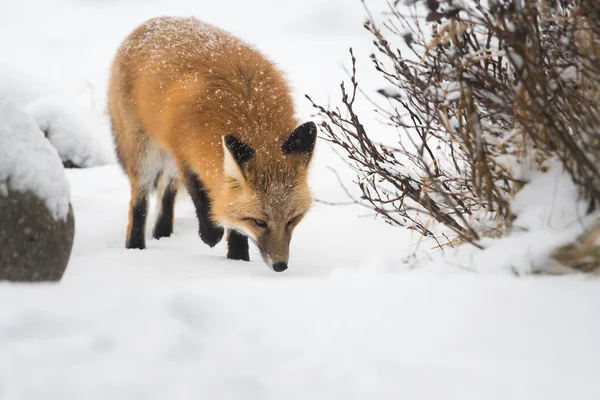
211, 235
136, 243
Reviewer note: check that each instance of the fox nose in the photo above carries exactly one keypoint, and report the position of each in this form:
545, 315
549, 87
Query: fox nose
279, 267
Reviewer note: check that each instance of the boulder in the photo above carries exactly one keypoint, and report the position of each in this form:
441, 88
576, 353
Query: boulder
34, 246
36, 218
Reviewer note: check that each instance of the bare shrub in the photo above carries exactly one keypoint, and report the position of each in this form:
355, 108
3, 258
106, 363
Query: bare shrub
481, 93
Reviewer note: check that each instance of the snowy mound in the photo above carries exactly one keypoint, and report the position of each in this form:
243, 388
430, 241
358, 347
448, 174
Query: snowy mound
28, 162
549, 212
70, 130
20, 86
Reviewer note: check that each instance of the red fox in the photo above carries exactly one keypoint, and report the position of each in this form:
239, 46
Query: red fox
190, 103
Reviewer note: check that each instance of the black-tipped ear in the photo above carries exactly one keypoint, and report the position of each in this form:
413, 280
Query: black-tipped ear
240, 151
301, 140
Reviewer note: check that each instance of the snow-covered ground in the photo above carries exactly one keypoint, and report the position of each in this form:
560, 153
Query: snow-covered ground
348, 320
424, 337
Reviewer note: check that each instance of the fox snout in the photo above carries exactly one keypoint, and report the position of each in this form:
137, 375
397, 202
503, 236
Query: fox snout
279, 264
274, 247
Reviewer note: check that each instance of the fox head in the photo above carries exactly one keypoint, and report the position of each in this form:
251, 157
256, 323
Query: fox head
266, 195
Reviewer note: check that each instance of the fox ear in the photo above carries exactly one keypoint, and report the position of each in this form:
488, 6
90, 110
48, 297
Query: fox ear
236, 154
302, 140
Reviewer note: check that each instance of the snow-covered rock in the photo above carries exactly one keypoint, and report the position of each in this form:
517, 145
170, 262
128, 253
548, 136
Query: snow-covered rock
70, 129
36, 220
20, 86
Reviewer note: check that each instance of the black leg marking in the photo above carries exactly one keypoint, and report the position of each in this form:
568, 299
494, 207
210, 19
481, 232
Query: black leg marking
210, 233
156, 181
164, 222
237, 246
139, 212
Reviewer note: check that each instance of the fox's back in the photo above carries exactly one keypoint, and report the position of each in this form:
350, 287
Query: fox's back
191, 83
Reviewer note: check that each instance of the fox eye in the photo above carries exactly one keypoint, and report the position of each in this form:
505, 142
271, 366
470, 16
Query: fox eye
259, 222
291, 221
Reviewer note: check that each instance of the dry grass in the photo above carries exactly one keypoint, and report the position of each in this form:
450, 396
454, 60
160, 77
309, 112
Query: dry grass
584, 254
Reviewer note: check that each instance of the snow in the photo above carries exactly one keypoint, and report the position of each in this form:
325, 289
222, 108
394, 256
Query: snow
425, 337
28, 163
516, 59
364, 311
70, 128
20, 86
447, 91
569, 74
548, 215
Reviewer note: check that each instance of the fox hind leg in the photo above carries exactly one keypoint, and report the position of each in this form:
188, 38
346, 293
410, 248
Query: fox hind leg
141, 184
138, 212
142, 176
166, 200
167, 187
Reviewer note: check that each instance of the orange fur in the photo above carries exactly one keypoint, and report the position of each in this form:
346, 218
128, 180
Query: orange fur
177, 87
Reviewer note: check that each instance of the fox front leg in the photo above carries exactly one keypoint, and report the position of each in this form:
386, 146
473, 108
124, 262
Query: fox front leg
210, 233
